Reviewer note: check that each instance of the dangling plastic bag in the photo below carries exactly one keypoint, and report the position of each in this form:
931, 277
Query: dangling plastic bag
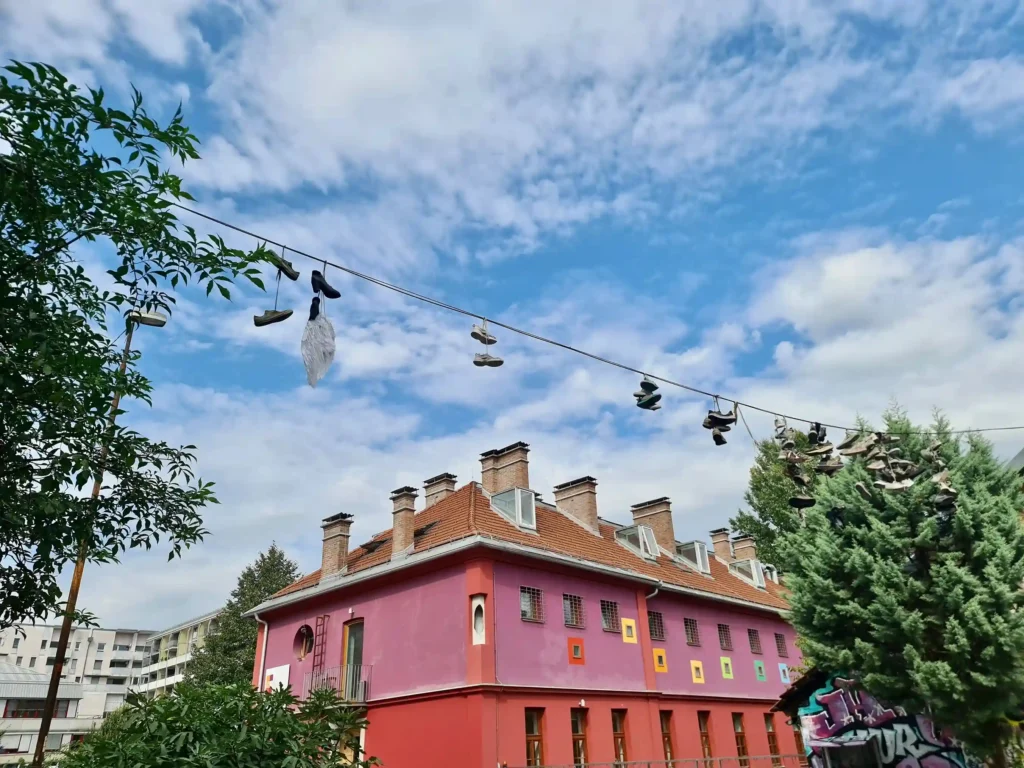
317, 348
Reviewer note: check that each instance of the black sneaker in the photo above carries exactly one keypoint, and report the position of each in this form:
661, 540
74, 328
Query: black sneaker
322, 286
801, 502
717, 436
719, 419
864, 492
835, 517
270, 317
649, 402
848, 441
314, 308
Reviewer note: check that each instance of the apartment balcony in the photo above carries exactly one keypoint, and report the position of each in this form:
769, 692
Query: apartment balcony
352, 681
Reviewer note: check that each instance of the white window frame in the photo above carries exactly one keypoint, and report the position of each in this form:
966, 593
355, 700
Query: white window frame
519, 494
703, 563
648, 543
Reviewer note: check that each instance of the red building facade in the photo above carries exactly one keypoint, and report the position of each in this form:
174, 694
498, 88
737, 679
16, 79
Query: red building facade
494, 628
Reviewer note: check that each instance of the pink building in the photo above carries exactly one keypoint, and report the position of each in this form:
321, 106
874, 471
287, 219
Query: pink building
492, 627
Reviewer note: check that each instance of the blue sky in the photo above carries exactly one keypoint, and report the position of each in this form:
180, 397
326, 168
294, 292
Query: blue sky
810, 206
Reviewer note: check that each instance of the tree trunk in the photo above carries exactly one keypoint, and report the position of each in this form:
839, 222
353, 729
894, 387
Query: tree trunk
999, 757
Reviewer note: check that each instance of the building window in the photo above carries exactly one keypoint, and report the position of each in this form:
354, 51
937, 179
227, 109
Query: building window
33, 708
780, 645
303, 643
610, 616
656, 623
579, 736
32, 662
78, 644
100, 647
531, 604
16, 643
666, 735
479, 627
741, 738
704, 726
43, 645
19, 660
572, 610
801, 750
773, 741
725, 637
534, 737
692, 631
97, 665
619, 735
754, 637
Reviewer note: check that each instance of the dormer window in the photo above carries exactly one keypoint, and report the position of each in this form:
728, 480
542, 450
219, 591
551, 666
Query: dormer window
519, 505
749, 570
639, 538
771, 573
694, 554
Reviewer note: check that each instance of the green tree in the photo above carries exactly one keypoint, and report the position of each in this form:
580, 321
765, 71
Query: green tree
74, 170
227, 726
230, 651
767, 497
923, 608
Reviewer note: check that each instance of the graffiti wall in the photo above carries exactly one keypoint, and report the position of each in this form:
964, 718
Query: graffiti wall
841, 714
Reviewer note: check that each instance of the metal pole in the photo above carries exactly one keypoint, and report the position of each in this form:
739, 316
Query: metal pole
76, 581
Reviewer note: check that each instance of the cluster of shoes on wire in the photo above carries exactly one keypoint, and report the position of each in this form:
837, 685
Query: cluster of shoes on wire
320, 288
821, 451
719, 423
648, 397
485, 337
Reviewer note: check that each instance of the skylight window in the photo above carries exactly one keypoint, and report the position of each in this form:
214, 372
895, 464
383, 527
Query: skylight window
639, 538
694, 554
519, 505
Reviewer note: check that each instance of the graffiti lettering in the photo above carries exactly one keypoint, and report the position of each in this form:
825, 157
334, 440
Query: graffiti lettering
840, 713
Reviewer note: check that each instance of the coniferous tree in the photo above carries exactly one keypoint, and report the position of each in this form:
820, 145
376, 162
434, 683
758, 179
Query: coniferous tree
924, 609
228, 655
768, 498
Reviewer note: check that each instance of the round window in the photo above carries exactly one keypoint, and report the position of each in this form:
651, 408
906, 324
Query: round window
303, 645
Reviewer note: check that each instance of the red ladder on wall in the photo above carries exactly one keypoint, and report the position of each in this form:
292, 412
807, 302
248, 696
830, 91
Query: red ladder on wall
320, 643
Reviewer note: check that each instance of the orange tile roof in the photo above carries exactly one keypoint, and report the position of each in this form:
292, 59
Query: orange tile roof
468, 512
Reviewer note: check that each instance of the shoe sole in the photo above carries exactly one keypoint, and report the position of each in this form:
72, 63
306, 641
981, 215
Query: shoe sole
260, 322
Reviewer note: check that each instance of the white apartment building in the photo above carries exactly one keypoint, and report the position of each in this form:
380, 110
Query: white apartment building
170, 651
98, 671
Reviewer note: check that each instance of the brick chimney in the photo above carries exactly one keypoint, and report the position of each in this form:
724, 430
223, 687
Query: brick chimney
440, 487
720, 543
579, 498
657, 513
403, 523
334, 558
744, 548
504, 468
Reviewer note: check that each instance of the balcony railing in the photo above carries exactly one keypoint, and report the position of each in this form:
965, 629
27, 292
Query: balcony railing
757, 761
352, 681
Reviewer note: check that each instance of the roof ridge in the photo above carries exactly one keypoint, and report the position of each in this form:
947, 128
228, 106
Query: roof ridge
472, 507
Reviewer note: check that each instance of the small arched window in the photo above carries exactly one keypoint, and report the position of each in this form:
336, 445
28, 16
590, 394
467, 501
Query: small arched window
303, 645
479, 619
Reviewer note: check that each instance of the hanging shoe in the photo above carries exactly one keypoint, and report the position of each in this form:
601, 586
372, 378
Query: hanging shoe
800, 479
861, 446
284, 266
271, 316
876, 465
648, 386
864, 491
322, 286
812, 436
717, 436
894, 453
822, 449
836, 517
481, 359
719, 419
792, 457
780, 426
848, 441
482, 335
707, 423
649, 402
942, 478
878, 452
801, 501
314, 308
887, 438
893, 486
829, 467
913, 471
